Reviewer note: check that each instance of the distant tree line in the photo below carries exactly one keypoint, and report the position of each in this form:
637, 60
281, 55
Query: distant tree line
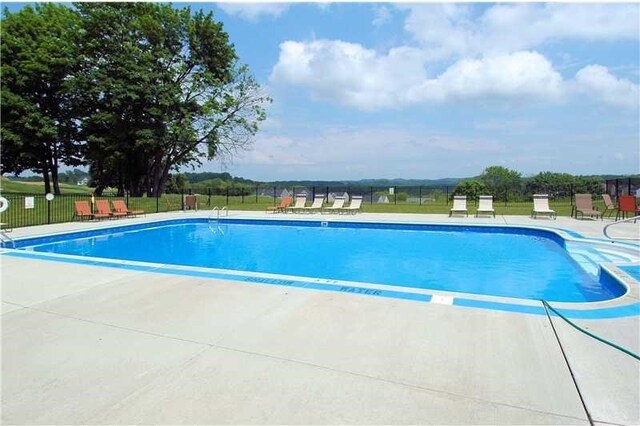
504, 183
134, 91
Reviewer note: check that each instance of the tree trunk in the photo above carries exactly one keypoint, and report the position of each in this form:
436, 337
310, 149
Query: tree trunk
54, 178
163, 180
45, 176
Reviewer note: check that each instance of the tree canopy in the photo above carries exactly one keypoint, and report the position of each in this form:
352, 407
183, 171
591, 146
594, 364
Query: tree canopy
38, 57
145, 87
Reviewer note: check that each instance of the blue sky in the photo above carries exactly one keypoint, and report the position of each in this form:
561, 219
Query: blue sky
380, 90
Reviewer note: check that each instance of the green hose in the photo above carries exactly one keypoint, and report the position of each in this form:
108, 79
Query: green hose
577, 327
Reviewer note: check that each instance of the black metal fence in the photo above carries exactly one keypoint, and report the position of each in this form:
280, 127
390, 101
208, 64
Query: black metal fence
35, 209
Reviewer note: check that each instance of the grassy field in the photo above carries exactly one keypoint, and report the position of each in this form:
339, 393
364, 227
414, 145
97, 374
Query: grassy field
62, 207
23, 187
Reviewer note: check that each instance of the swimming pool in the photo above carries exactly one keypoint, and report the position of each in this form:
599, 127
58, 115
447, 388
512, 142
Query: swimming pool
496, 261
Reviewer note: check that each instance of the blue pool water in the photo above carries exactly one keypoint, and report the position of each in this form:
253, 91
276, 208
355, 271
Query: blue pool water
500, 262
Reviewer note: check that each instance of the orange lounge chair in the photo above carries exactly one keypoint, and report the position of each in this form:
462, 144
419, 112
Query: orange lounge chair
284, 204
82, 210
584, 206
627, 204
120, 207
103, 209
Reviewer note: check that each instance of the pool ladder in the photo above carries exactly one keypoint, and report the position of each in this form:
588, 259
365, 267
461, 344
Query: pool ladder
218, 211
606, 228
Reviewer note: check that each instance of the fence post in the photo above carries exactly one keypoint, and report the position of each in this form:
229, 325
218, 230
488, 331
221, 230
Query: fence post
420, 194
242, 194
48, 212
313, 190
157, 203
227, 196
208, 196
327, 193
256, 194
506, 196
182, 199
395, 195
371, 192
446, 199
126, 194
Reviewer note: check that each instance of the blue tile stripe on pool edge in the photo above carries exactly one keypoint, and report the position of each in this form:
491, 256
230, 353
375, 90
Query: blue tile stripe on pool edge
632, 309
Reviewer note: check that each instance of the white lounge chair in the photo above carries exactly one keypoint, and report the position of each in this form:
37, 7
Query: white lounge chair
459, 205
337, 207
355, 205
541, 206
316, 206
299, 205
485, 205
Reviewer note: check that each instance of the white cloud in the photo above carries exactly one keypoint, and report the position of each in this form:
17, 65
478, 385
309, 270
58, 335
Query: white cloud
254, 11
597, 82
351, 75
457, 30
348, 73
488, 55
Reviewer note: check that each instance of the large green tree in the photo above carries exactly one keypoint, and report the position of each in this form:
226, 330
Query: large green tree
500, 181
39, 58
161, 88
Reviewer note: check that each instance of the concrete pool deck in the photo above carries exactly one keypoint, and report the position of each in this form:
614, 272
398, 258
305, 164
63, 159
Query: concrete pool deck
93, 345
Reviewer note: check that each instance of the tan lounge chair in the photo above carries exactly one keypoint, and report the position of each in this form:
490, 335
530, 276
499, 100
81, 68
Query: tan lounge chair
541, 206
459, 205
119, 206
301, 200
316, 206
584, 206
190, 202
104, 210
284, 204
485, 205
355, 206
608, 205
337, 207
82, 210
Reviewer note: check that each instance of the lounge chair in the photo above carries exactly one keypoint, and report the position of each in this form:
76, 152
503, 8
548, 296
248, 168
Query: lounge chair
459, 205
190, 202
627, 204
120, 207
316, 206
355, 205
104, 210
284, 204
485, 206
299, 205
541, 206
338, 206
584, 206
82, 210
608, 205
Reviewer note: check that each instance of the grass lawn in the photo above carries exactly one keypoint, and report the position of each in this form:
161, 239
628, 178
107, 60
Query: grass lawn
24, 187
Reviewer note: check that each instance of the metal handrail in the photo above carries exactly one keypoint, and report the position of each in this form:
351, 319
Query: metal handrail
5, 238
604, 230
214, 209
218, 211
